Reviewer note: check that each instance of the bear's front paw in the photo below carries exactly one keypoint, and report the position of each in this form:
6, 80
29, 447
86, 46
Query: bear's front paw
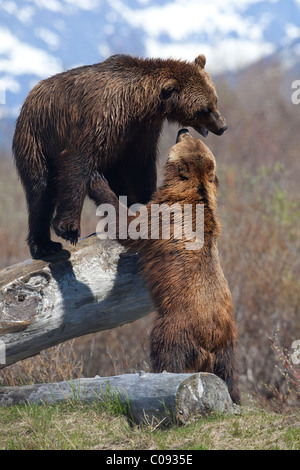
69, 231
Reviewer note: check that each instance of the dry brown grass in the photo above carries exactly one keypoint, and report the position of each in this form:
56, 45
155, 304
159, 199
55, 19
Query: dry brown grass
52, 365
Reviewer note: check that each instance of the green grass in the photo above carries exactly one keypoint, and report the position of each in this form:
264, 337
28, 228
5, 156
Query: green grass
77, 425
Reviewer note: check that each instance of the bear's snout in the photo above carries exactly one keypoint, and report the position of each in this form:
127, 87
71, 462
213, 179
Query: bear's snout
217, 123
223, 129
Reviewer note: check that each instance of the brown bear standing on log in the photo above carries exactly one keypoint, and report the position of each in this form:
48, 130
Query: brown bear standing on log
194, 329
105, 117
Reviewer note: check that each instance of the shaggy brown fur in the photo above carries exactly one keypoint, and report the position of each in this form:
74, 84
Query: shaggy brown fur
105, 117
194, 329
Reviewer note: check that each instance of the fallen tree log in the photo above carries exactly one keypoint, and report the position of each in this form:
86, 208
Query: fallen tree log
92, 287
148, 397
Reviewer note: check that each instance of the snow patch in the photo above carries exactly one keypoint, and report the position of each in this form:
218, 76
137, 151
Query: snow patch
18, 58
51, 39
22, 13
230, 54
179, 19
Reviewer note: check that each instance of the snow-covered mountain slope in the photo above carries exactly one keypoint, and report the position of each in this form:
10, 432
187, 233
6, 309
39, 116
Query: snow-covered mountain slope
39, 38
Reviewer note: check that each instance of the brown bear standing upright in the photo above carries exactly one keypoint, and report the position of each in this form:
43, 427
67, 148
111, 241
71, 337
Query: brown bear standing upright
194, 329
105, 117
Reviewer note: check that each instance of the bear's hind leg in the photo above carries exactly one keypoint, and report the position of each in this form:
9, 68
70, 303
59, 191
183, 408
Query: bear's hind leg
225, 367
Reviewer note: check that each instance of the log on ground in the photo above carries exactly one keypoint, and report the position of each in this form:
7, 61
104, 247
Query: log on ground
150, 398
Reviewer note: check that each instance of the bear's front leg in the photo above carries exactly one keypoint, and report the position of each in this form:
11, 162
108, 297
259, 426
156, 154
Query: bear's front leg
72, 189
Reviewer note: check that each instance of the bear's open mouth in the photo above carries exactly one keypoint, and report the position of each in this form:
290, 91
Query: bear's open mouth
202, 130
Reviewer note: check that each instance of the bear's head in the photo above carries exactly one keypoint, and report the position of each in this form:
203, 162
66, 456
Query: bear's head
189, 97
191, 168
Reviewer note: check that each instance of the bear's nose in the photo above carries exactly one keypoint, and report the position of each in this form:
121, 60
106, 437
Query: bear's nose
223, 129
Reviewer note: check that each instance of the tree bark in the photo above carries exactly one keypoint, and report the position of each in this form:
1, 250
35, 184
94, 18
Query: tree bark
92, 287
148, 398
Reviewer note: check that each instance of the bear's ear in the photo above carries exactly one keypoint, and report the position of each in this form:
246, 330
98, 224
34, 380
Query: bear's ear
201, 61
168, 88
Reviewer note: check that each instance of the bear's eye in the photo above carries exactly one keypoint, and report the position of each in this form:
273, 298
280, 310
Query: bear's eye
214, 180
206, 110
167, 93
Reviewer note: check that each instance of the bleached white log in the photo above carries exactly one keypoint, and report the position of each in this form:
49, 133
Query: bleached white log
92, 287
159, 398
